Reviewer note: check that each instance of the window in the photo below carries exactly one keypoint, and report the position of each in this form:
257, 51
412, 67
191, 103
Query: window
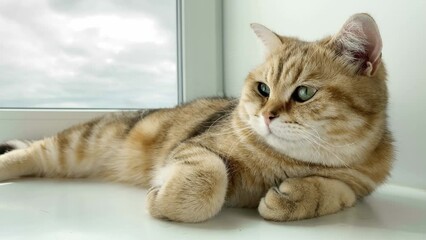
198, 68
88, 54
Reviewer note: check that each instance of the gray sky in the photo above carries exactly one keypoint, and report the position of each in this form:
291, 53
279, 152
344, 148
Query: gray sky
97, 53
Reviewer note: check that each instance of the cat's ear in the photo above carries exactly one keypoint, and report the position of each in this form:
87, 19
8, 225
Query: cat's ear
269, 38
360, 43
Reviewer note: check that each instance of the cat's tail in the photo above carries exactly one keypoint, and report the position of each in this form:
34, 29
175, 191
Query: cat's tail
13, 145
15, 159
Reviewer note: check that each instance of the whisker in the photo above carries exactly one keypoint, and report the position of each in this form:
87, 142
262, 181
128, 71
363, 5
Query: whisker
317, 136
330, 151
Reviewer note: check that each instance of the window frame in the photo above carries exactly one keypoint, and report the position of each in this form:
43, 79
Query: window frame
201, 41
197, 22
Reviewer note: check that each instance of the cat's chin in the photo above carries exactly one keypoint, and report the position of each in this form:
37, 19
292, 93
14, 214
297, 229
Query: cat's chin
293, 144
300, 149
290, 145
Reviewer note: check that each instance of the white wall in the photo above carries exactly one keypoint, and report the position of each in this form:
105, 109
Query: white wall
402, 25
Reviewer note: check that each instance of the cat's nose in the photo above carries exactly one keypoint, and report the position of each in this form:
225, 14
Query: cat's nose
268, 117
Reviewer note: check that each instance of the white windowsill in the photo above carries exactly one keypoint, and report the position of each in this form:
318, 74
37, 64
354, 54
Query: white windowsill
76, 209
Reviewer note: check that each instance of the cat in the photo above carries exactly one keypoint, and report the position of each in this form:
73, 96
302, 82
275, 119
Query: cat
307, 138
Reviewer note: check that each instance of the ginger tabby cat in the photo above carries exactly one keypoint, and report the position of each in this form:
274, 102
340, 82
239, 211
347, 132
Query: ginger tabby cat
308, 137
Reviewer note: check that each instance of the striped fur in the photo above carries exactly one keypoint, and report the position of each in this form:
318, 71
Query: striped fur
315, 158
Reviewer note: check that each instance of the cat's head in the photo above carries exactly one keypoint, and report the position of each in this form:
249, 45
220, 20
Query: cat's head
322, 102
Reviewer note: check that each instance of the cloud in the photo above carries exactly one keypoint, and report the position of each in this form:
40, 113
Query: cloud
98, 54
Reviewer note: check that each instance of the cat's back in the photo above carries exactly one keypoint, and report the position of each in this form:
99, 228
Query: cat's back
179, 121
184, 120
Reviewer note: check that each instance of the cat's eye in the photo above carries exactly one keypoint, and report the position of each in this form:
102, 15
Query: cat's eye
303, 93
263, 89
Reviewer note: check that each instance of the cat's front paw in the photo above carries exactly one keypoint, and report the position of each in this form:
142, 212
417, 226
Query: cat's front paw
174, 204
151, 205
301, 198
288, 202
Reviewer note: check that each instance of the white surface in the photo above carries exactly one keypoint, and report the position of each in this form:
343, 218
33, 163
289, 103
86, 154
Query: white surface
76, 209
402, 25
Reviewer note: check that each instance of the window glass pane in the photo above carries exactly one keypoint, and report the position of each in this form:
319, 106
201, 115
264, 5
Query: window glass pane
88, 54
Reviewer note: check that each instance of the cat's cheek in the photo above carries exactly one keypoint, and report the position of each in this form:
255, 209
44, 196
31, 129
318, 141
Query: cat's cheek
250, 108
259, 126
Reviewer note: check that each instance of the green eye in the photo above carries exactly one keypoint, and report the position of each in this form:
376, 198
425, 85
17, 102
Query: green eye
303, 93
263, 89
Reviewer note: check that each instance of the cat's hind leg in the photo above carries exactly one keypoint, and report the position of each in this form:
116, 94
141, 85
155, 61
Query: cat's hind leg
191, 187
50, 157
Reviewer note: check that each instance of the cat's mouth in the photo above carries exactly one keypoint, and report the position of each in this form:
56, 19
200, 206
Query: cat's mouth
289, 131
278, 129
286, 137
